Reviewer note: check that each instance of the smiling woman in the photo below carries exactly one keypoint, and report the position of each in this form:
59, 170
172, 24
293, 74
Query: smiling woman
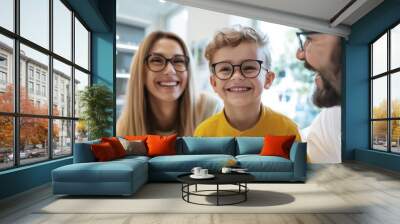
160, 95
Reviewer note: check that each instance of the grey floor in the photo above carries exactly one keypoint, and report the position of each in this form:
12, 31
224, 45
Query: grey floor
377, 188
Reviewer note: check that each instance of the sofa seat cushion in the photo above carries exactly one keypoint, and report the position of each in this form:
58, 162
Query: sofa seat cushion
257, 163
185, 163
111, 171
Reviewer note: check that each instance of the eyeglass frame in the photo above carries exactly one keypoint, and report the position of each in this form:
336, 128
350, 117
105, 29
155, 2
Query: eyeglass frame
305, 33
166, 62
212, 68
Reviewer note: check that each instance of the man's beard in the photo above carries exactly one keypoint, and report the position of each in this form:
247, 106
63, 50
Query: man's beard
325, 96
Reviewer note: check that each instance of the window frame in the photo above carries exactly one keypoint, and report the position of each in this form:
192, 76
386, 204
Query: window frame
388, 74
16, 115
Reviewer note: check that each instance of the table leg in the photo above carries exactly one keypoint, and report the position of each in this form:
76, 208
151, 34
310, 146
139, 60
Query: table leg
217, 194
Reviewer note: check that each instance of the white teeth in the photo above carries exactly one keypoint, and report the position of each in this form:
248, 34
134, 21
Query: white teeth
168, 83
238, 89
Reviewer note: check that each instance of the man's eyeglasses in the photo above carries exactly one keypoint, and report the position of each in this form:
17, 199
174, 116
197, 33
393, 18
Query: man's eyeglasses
303, 37
248, 68
157, 62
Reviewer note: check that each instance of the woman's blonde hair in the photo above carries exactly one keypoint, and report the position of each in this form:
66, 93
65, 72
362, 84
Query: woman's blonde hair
233, 36
134, 117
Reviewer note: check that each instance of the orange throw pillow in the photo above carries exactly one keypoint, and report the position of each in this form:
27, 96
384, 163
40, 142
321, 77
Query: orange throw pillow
277, 146
103, 151
161, 145
136, 137
116, 145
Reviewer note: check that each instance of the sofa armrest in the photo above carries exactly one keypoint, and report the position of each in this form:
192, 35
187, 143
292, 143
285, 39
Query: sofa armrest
298, 155
83, 152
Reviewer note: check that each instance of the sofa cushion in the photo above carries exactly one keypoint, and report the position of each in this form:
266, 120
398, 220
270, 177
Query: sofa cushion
249, 145
161, 145
206, 145
277, 145
116, 145
185, 163
257, 163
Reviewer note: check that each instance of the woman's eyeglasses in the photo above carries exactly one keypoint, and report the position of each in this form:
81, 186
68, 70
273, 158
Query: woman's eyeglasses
248, 68
157, 62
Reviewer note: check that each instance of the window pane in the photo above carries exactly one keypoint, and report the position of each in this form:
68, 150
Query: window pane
81, 45
81, 131
379, 135
379, 55
395, 94
81, 81
62, 29
7, 14
35, 21
62, 138
62, 89
379, 97
33, 140
6, 74
34, 96
6, 142
395, 136
395, 47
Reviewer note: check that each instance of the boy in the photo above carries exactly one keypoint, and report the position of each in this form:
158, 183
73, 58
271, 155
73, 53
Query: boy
240, 71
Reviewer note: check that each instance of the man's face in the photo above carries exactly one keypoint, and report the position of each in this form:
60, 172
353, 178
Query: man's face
321, 54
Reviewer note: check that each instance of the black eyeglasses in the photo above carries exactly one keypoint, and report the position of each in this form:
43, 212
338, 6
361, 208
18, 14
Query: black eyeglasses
303, 37
249, 68
157, 62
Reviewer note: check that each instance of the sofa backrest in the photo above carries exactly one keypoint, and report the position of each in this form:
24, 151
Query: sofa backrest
83, 152
249, 145
205, 145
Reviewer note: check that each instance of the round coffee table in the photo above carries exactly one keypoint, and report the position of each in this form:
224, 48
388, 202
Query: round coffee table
238, 179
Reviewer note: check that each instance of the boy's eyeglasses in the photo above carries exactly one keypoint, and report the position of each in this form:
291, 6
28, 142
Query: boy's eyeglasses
303, 37
248, 68
157, 62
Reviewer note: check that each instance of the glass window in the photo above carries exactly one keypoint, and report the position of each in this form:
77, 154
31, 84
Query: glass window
35, 21
81, 81
395, 95
395, 136
379, 56
379, 135
33, 140
379, 98
6, 142
7, 14
40, 62
62, 29
62, 72
81, 131
7, 74
81, 45
62, 138
30, 87
395, 47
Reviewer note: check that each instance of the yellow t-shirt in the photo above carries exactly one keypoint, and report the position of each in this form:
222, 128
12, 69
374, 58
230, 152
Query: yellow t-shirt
270, 123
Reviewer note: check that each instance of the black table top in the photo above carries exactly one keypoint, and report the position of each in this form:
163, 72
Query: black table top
220, 178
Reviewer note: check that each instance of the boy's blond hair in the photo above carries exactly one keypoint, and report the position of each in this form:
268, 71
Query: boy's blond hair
233, 36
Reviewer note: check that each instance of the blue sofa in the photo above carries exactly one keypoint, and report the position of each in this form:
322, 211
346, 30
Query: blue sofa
125, 176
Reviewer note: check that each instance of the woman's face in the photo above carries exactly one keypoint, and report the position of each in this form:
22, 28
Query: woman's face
167, 84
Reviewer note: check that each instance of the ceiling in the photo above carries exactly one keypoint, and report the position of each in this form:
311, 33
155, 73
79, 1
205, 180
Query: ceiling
328, 16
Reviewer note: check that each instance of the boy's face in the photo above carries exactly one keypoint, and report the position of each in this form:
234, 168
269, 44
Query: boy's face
239, 90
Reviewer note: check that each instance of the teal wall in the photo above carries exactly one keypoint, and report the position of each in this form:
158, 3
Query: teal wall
99, 16
356, 86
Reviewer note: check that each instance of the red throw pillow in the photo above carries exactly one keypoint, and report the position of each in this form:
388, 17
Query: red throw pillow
116, 145
161, 145
103, 151
277, 146
136, 137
